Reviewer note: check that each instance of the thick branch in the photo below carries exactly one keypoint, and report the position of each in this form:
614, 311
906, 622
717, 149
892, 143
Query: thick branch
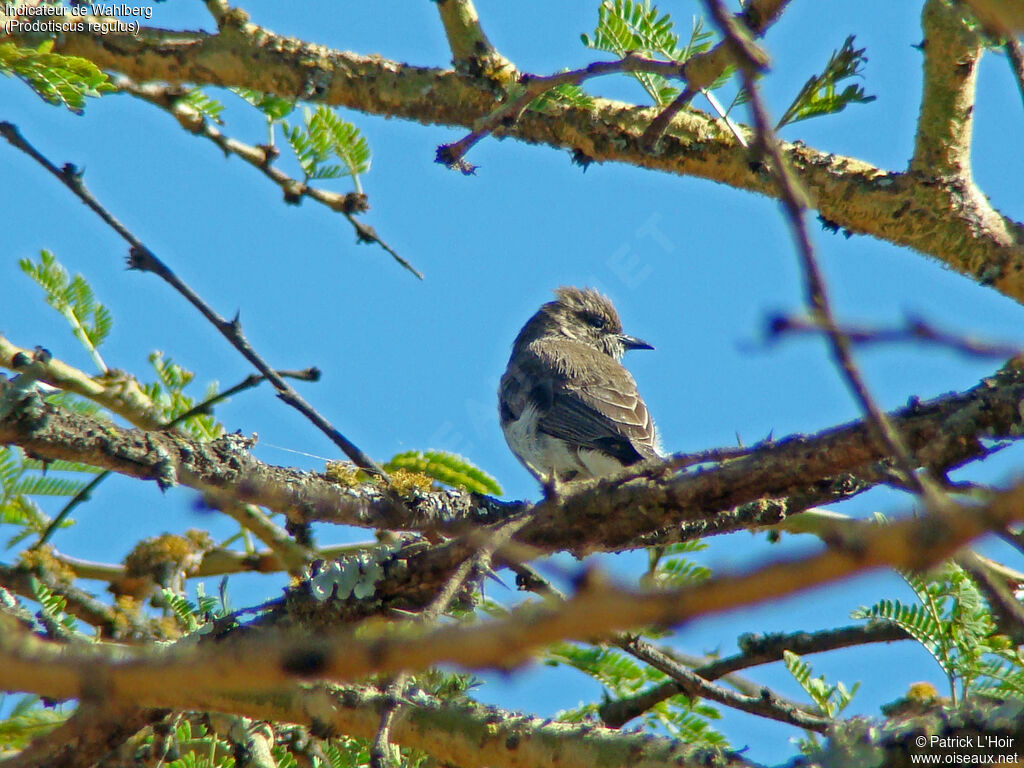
472, 52
613, 514
85, 738
952, 52
257, 660
115, 391
923, 214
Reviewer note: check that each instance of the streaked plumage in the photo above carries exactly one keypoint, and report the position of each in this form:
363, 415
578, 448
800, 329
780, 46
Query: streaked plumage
568, 408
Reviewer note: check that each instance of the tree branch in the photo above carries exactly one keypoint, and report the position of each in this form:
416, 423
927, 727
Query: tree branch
257, 660
754, 651
472, 53
903, 209
952, 52
142, 258
261, 158
690, 682
117, 392
943, 433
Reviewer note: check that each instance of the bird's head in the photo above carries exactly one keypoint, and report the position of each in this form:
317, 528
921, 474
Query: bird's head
583, 315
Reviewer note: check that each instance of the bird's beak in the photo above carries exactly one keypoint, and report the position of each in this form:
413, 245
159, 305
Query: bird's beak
632, 342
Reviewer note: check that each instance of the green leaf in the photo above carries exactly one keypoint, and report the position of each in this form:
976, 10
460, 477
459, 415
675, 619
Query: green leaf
52, 604
820, 96
168, 395
830, 699
625, 26
28, 720
90, 320
326, 135
205, 105
57, 79
274, 107
564, 95
446, 468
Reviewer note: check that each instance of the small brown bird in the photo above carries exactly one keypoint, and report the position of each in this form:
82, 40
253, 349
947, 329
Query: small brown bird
569, 409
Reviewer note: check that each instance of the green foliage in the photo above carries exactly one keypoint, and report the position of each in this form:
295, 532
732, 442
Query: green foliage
564, 95
205, 105
621, 675
667, 569
625, 26
323, 136
22, 478
446, 468
819, 96
274, 107
57, 79
168, 395
830, 699
27, 720
191, 615
446, 686
954, 624
73, 297
52, 605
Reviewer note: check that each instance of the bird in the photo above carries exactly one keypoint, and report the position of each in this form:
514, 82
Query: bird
568, 408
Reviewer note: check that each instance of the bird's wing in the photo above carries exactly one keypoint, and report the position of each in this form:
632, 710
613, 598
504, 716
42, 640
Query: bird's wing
596, 405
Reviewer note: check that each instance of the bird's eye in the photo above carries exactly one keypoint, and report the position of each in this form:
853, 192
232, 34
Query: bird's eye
595, 321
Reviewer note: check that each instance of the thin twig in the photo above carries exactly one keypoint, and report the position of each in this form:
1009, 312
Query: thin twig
691, 682
751, 61
170, 99
914, 330
533, 86
767, 704
755, 650
142, 258
1015, 54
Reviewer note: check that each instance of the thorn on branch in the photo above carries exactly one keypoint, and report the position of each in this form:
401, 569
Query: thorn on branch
356, 202
451, 156
582, 159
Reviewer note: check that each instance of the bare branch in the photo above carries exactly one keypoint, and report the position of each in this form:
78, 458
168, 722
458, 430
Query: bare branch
261, 158
472, 53
258, 660
755, 650
703, 69
794, 197
142, 258
951, 54
766, 704
930, 217
913, 330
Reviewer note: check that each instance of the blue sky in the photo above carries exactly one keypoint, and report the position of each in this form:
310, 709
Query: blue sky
692, 266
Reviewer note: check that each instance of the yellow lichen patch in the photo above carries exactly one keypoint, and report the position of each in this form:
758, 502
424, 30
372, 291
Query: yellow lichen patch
42, 560
128, 605
164, 561
923, 692
405, 481
344, 473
